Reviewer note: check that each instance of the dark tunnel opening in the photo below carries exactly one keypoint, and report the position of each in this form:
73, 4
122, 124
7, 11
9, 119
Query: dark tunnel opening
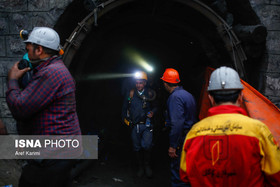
165, 34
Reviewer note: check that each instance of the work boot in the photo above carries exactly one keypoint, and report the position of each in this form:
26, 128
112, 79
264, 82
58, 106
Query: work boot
139, 157
148, 169
140, 171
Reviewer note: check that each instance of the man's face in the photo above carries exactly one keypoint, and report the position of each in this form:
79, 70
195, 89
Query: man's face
140, 84
31, 52
165, 86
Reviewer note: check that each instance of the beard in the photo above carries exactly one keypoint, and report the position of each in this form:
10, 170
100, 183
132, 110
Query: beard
35, 60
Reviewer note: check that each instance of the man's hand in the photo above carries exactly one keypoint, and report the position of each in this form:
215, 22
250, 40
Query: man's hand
16, 73
150, 114
172, 152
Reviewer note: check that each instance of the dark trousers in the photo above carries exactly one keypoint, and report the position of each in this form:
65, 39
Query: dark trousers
142, 137
47, 173
175, 165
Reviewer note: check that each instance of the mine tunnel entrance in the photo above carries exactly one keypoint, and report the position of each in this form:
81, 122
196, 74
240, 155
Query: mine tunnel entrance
163, 33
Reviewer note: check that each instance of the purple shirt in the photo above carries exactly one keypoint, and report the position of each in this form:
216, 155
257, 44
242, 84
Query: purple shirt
47, 104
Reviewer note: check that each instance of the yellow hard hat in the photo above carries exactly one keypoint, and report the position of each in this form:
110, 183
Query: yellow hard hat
141, 75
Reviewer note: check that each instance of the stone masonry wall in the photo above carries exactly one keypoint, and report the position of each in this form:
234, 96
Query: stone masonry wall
16, 15
269, 13
25, 14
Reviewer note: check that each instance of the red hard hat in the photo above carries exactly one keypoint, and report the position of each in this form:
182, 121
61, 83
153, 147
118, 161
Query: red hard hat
171, 76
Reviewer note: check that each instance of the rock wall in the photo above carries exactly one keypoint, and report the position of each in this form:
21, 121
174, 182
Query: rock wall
269, 13
25, 14
16, 15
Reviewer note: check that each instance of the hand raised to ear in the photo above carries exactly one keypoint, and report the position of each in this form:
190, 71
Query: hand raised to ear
16, 73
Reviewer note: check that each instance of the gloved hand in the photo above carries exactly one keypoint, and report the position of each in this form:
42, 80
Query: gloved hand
128, 122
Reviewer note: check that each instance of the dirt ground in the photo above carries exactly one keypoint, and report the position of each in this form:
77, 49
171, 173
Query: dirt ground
10, 172
121, 173
116, 171
116, 167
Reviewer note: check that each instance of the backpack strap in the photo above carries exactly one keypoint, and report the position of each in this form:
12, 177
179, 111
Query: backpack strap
131, 93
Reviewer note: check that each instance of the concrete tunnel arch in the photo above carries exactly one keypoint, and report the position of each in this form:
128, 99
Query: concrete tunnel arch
90, 31
232, 43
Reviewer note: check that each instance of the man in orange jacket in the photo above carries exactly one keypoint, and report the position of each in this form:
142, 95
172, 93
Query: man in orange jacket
228, 148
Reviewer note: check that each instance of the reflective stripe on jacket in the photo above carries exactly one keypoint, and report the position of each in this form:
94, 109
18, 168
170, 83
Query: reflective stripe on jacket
230, 149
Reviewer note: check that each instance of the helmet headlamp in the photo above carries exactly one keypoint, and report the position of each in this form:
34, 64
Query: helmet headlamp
24, 34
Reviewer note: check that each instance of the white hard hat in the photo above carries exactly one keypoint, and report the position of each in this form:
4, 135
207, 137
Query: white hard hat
224, 79
45, 37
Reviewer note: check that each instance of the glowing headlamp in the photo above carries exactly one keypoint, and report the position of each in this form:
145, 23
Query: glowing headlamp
141, 75
138, 59
137, 75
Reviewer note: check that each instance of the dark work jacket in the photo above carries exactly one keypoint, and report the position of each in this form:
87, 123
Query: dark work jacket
181, 108
137, 113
